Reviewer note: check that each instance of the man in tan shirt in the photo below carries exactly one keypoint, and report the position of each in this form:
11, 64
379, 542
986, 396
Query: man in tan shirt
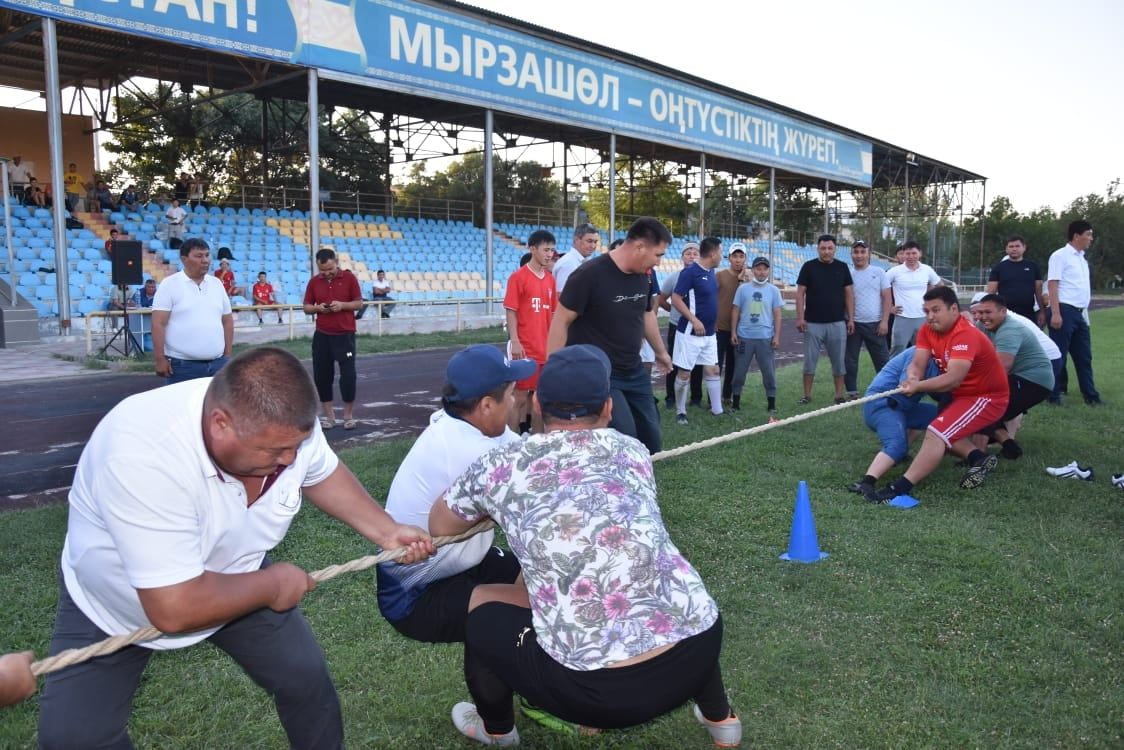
729, 279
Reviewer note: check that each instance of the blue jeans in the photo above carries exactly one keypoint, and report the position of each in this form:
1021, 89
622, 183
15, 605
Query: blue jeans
634, 407
1073, 339
893, 424
190, 369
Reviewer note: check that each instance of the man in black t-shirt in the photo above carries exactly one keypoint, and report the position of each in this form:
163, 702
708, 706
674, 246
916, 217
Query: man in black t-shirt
607, 302
825, 314
1019, 282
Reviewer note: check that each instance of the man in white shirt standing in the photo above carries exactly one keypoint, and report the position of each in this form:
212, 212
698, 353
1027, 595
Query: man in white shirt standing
192, 322
175, 216
908, 283
586, 239
176, 536
1068, 281
872, 316
18, 175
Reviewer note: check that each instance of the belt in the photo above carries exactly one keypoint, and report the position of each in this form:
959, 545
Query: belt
1073, 307
194, 361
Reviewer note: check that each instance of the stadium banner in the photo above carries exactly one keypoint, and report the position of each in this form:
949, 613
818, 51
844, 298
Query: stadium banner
438, 52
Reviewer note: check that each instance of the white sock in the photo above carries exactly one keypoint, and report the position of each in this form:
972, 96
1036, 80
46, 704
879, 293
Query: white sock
681, 388
714, 390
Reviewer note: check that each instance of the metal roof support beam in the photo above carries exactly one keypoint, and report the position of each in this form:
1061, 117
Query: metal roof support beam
489, 206
702, 195
772, 210
612, 187
58, 193
313, 167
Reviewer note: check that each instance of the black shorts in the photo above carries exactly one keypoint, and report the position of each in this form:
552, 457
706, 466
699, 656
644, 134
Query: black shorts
440, 614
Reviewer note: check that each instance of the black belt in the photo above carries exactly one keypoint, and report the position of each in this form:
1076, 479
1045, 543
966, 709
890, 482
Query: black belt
1074, 307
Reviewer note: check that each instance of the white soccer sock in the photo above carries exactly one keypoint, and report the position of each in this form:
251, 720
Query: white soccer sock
714, 390
681, 388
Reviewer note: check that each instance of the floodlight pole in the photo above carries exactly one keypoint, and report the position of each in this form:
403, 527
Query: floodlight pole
58, 194
313, 168
960, 249
772, 210
612, 187
702, 196
489, 206
983, 225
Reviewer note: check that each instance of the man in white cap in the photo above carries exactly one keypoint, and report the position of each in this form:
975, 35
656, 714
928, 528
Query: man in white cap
729, 279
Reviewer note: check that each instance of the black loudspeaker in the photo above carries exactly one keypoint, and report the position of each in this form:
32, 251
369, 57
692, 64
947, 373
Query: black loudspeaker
127, 269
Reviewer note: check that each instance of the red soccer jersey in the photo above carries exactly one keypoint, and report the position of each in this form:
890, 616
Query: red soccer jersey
343, 287
532, 300
263, 293
964, 341
227, 279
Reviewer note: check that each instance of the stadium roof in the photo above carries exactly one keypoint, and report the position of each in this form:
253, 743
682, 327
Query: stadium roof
97, 58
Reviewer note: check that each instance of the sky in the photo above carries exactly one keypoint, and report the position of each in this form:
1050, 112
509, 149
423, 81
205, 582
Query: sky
1028, 93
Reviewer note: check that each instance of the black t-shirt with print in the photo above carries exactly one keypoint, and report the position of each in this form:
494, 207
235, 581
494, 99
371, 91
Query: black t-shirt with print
611, 305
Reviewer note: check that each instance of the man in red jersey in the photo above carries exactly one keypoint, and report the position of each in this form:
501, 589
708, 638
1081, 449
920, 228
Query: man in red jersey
529, 303
971, 373
333, 296
264, 295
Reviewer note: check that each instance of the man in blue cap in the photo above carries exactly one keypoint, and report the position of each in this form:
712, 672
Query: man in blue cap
604, 586
429, 600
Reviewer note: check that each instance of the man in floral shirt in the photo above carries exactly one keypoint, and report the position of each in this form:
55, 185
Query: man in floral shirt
605, 587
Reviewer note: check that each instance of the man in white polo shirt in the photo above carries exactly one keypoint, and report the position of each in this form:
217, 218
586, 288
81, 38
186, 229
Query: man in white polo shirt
430, 600
1067, 278
908, 283
192, 322
586, 239
176, 535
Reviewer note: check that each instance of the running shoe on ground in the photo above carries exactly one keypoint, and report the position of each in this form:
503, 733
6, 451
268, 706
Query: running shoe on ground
976, 475
725, 733
1071, 471
469, 723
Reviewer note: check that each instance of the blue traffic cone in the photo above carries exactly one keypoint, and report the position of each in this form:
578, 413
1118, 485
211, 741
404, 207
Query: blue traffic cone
803, 546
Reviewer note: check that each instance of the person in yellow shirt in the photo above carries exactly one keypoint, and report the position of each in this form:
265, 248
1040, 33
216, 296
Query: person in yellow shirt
73, 183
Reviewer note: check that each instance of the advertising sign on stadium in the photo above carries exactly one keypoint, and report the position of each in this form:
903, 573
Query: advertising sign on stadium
437, 52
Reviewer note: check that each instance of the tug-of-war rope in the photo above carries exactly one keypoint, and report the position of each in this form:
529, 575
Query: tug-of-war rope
74, 656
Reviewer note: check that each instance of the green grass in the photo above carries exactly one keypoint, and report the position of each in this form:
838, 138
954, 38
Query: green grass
985, 618
365, 343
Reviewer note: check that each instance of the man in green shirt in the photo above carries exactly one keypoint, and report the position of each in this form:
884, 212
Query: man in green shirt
1030, 375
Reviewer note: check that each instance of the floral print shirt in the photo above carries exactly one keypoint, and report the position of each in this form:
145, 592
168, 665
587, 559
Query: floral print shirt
579, 509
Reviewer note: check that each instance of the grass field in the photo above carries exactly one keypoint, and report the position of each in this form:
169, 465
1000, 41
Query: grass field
985, 618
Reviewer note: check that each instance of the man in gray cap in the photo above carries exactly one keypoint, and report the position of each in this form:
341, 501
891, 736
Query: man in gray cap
605, 587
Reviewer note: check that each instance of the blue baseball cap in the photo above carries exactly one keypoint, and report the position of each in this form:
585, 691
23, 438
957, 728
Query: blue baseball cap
481, 369
574, 382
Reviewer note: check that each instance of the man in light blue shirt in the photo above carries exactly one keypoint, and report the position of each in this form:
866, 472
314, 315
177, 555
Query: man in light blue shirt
755, 326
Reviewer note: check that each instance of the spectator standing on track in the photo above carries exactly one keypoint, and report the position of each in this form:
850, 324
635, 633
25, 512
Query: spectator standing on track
192, 323
756, 320
608, 304
667, 288
333, 296
825, 314
873, 302
1069, 282
909, 282
586, 239
529, 303
729, 279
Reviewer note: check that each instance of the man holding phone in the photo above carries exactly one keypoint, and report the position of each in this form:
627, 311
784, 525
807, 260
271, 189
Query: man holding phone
333, 296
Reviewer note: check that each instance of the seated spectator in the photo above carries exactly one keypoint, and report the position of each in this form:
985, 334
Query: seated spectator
145, 295
605, 585
119, 301
264, 295
113, 235
430, 601
897, 420
129, 200
226, 276
225, 254
175, 216
380, 292
75, 188
105, 198
33, 195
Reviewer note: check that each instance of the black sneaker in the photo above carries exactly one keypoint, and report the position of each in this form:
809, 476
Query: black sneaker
882, 496
976, 475
681, 419
857, 487
1094, 402
735, 403
1010, 450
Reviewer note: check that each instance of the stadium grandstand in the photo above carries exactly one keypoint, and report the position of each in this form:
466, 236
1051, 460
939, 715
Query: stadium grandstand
394, 68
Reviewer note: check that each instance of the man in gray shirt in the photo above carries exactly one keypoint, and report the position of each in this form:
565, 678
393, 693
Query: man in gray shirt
873, 303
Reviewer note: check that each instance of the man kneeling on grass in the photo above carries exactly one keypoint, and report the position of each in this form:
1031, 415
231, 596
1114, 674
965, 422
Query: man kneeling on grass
971, 373
613, 626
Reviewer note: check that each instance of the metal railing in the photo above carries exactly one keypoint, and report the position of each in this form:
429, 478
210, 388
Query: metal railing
106, 332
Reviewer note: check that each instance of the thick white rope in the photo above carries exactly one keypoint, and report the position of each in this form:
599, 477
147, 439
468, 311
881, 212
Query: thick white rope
73, 656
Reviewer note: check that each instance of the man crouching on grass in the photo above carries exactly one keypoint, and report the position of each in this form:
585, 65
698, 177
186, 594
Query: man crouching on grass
970, 371
605, 587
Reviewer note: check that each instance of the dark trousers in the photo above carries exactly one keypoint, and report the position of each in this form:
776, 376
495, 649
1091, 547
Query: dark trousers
865, 333
726, 361
696, 373
1073, 340
88, 705
190, 369
502, 655
327, 350
634, 408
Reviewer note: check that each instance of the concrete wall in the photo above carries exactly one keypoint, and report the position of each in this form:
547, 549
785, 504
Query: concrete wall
25, 133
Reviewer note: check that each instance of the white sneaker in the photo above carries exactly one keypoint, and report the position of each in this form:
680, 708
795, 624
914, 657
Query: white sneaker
1118, 481
469, 723
1071, 471
725, 733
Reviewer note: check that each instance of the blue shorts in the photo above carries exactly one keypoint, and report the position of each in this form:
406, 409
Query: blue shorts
892, 423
